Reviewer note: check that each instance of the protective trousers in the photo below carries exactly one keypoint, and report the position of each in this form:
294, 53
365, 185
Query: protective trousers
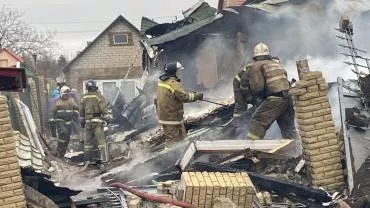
94, 141
64, 135
271, 109
174, 133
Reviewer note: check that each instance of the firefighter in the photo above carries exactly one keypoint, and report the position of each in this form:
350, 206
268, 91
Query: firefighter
170, 98
93, 112
269, 81
243, 97
64, 112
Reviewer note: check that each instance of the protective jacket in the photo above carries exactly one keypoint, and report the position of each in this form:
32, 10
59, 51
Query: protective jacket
64, 111
242, 93
170, 98
93, 108
267, 78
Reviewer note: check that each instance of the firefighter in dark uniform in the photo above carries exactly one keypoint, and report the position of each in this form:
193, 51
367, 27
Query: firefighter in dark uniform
269, 81
64, 112
94, 113
170, 98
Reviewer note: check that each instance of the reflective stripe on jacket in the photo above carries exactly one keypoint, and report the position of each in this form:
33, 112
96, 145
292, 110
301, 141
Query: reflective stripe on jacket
64, 111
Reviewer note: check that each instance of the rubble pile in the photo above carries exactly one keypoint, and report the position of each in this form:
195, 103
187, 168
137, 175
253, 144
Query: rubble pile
203, 188
321, 146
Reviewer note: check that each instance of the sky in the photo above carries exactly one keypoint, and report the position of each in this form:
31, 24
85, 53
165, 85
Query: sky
79, 21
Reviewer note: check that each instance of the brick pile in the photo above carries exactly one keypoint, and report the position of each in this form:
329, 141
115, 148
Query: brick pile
11, 187
201, 189
321, 146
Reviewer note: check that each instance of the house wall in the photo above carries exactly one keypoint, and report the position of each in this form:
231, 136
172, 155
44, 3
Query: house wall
105, 61
11, 61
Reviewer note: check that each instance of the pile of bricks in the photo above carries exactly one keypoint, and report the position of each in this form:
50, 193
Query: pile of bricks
321, 146
202, 188
11, 187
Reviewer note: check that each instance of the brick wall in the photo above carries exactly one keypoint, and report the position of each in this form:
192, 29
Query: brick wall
321, 146
105, 61
11, 187
201, 189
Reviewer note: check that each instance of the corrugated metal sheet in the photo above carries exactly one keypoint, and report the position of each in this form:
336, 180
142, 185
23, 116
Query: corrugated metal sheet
28, 156
173, 35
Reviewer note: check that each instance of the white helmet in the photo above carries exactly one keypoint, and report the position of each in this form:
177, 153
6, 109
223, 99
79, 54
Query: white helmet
65, 90
261, 49
60, 79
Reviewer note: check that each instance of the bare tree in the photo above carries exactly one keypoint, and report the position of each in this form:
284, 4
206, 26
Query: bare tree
18, 36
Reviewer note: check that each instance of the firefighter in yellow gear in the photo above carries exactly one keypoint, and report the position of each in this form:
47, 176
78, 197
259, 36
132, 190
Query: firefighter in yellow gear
93, 112
64, 112
170, 98
268, 80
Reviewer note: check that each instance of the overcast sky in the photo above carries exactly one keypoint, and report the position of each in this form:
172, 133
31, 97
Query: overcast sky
79, 21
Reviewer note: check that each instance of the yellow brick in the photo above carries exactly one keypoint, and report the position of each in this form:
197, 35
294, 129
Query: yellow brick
307, 140
304, 115
309, 108
315, 145
310, 121
312, 152
5, 181
14, 199
222, 183
6, 194
323, 86
209, 183
229, 185
323, 163
4, 168
324, 169
16, 179
5, 120
302, 103
297, 91
10, 153
306, 128
313, 88
248, 182
305, 83
333, 141
202, 189
330, 130
248, 200
314, 133
9, 173
322, 112
320, 157
324, 125
18, 192
4, 114
236, 190
2, 155
326, 175
12, 186
21, 204
330, 148
311, 75
5, 134
321, 99
320, 80
327, 137
13, 166
5, 127
9, 140
323, 182
335, 186
323, 93
6, 147
308, 96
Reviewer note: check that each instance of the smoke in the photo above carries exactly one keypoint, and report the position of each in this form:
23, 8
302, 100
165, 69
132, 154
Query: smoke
298, 32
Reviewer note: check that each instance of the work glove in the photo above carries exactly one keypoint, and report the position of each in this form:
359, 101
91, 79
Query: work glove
199, 96
83, 124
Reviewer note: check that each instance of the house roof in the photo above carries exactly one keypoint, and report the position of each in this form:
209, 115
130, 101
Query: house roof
146, 23
120, 18
12, 54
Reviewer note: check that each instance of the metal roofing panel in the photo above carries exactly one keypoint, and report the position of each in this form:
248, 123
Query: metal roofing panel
173, 35
146, 24
28, 156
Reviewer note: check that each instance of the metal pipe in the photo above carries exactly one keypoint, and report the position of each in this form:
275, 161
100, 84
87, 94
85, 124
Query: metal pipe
151, 197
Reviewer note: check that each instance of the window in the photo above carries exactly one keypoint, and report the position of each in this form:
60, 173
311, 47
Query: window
120, 39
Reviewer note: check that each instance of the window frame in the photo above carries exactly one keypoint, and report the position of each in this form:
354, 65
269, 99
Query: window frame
123, 43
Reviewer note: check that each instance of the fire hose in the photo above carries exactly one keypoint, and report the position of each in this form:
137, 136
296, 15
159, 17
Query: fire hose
151, 197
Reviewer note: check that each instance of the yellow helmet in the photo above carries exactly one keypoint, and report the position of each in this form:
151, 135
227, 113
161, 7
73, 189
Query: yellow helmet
261, 49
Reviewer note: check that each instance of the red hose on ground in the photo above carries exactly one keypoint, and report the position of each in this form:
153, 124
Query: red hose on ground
151, 197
